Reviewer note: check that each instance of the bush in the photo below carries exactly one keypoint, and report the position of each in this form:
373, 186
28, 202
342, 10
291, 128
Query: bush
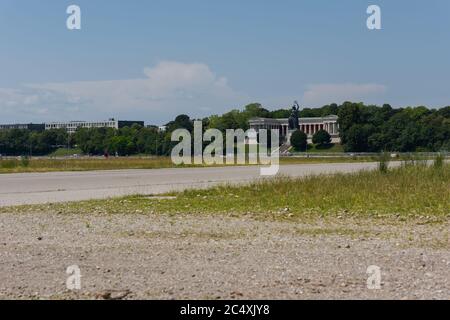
321, 138
299, 140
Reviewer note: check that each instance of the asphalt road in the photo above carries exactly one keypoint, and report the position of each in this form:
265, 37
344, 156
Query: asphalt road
38, 188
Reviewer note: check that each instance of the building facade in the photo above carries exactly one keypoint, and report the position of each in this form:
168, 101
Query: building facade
73, 126
308, 125
23, 126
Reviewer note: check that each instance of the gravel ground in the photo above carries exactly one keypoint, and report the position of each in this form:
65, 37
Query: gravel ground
219, 257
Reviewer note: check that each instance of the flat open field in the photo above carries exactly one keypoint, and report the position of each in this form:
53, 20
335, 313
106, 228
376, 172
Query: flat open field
112, 163
304, 238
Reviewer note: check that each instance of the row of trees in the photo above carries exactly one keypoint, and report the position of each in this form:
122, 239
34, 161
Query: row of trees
94, 141
125, 141
25, 142
363, 128
373, 129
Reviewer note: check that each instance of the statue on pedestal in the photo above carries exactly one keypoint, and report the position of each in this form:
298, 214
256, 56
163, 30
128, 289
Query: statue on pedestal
293, 119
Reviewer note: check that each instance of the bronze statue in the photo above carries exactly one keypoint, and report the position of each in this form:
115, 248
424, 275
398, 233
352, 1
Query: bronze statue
293, 119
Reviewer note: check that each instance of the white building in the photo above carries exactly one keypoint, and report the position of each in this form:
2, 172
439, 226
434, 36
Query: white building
72, 126
308, 125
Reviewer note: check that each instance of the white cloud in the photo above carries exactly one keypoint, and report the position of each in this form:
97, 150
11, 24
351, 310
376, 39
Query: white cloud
17, 103
167, 89
322, 94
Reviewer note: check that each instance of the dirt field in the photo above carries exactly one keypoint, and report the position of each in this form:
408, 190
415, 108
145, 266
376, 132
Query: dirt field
205, 257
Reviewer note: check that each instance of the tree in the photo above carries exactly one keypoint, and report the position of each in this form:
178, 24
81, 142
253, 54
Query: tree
255, 110
94, 140
321, 138
122, 145
181, 122
149, 141
281, 113
358, 138
299, 140
349, 115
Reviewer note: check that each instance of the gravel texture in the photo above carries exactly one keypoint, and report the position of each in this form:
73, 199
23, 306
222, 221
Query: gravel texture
134, 256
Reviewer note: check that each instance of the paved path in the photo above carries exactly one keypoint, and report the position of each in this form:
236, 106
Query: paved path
37, 188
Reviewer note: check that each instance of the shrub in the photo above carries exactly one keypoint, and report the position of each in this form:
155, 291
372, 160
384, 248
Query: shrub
321, 138
299, 140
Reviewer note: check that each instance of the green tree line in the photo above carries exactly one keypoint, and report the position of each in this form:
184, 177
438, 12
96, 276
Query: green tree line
373, 129
25, 142
363, 128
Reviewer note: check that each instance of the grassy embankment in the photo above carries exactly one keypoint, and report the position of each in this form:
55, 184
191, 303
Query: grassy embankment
409, 192
64, 152
313, 148
332, 148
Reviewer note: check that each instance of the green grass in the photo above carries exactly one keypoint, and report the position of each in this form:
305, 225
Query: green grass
112, 163
332, 148
413, 191
64, 152
83, 164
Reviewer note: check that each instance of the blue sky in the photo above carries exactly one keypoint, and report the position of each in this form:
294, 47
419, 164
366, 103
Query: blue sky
152, 60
